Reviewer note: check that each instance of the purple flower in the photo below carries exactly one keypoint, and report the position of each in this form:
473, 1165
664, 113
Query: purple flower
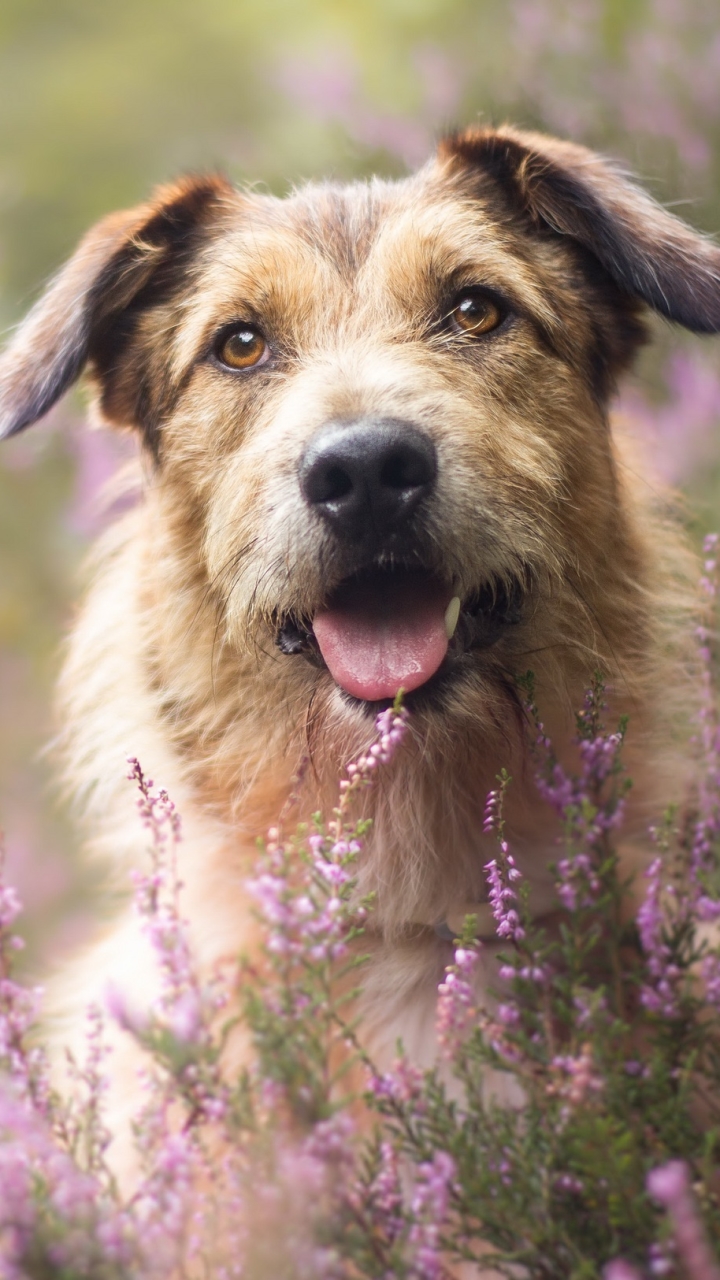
402, 1084
501, 874
659, 993
621, 1270
429, 1207
456, 1006
670, 1186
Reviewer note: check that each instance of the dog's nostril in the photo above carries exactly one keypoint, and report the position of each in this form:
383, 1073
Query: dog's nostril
406, 469
365, 478
330, 484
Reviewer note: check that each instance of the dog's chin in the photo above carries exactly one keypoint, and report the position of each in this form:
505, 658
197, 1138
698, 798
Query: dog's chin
386, 629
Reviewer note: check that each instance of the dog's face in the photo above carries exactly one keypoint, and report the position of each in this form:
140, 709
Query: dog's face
382, 408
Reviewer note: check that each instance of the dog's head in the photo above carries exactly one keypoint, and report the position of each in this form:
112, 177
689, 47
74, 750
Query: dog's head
382, 406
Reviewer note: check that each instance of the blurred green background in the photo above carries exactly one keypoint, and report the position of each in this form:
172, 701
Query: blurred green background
98, 102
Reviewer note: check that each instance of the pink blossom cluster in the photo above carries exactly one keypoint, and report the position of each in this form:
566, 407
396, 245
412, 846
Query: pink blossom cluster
501, 872
706, 833
670, 1186
282, 1183
385, 1195
45, 1193
402, 1085
429, 1208
659, 992
578, 1076
590, 805
305, 926
667, 908
390, 728
19, 1007
456, 1011
182, 1016
313, 925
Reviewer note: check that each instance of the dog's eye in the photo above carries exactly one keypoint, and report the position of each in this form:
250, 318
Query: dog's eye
243, 348
475, 313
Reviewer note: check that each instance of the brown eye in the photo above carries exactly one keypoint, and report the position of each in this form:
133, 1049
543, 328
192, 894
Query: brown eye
244, 348
475, 314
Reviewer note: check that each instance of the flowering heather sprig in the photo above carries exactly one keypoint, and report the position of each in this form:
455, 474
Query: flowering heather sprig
58, 1206
303, 926
577, 1078
456, 1009
157, 811
670, 910
621, 1270
706, 830
599, 758
548, 1171
19, 1005
313, 926
385, 1200
179, 1025
590, 805
429, 1208
83, 1124
670, 1186
390, 728
401, 1086
659, 992
502, 873
55, 1218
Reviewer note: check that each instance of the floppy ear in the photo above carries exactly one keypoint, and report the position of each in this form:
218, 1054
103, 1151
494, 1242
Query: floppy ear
649, 253
116, 261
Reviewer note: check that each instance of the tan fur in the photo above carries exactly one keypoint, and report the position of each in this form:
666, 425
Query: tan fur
173, 656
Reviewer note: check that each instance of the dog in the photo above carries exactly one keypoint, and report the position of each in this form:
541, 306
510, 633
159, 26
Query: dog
376, 454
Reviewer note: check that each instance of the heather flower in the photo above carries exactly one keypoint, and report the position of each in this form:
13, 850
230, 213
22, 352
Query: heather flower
590, 806
401, 1085
621, 1270
659, 993
429, 1207
290, 1186
670, 1186
578, 1077
502, 873
705, 843
385, 1200
456, 1010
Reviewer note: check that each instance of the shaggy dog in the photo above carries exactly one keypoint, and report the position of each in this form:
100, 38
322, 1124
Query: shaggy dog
377, 454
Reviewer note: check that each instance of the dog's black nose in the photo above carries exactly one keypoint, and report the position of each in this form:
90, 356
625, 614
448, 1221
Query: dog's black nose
366, 478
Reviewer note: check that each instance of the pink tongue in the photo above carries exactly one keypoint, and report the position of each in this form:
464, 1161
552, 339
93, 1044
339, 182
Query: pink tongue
384, 634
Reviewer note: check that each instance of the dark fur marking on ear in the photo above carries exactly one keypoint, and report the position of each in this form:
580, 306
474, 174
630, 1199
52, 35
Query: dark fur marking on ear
648, 252
109, 277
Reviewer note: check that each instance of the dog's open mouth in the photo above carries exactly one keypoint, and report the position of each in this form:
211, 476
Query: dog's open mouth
385, 630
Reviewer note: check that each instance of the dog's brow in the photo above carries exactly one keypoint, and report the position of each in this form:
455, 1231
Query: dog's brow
448, 240
260, 274
357, 249
341, 223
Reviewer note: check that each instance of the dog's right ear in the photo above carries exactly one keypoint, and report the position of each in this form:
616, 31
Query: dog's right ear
576, 194
116, 260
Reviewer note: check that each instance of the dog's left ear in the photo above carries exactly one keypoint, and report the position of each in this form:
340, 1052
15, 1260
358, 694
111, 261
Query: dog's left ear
120, 262
649, 253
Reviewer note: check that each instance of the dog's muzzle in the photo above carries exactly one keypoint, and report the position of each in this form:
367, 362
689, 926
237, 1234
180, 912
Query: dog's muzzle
392, 623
